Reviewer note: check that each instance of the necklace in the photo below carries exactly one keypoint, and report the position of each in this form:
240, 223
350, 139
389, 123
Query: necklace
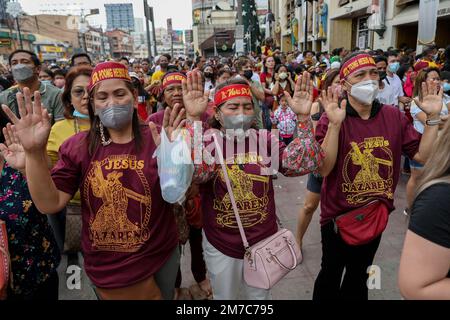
102, 136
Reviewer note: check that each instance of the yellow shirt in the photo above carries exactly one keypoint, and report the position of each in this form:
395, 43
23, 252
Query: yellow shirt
157, 76
61, 131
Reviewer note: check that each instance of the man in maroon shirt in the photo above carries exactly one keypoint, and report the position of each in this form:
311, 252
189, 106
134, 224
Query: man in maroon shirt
363, 142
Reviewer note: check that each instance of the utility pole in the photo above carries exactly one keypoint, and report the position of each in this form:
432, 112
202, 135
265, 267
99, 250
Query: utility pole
18, 31
239, 12
170, 32
306, 26
152, 17
147, 25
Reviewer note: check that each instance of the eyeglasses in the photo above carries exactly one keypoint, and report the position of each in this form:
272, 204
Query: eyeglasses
79, 92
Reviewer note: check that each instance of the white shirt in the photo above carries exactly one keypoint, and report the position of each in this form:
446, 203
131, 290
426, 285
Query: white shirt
415, 110
396, 84
446, 98
255, 77
208, 85
386, 95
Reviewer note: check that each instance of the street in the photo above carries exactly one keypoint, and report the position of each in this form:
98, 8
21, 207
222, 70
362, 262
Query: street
298, 284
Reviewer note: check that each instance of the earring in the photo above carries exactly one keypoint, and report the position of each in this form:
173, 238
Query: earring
102, 136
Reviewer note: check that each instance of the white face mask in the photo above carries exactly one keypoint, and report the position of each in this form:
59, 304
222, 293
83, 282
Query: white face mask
365, 91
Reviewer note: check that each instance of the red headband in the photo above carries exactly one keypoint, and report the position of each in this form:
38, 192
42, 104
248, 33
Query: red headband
356, 63
108, 70
231, 92
172, 78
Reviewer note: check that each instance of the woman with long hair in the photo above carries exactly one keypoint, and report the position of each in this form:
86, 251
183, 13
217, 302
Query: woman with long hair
282, 82
129, 237
75, 98
250, 172
426, 76
424, 271
266, 80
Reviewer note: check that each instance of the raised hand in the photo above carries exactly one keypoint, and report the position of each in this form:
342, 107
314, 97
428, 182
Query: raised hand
34, 125
431, 102
172, 123
12, 150
301, 100
195, 98
330, 101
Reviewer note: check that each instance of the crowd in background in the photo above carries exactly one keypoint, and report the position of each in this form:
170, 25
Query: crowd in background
271, 75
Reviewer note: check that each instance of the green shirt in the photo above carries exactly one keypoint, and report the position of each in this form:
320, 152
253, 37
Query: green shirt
50, 96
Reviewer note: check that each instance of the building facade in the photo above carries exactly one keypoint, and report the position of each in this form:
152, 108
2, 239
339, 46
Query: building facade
332, 24
58, 27
120, 16
211, 17
121, 43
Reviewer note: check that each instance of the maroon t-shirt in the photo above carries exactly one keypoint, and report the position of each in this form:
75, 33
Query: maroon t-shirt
254, 197
368, 160
128, 231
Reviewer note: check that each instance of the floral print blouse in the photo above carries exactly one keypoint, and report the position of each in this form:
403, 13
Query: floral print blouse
32, 246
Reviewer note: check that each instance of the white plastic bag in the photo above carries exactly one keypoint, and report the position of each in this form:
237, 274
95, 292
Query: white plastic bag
175, 168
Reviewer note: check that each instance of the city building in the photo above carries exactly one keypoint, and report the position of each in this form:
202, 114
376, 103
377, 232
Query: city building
121, 43
9, 42
139, 39
345, 23
57, 36
211, 17
120, 16
58, 27
3, 14
164, 42
189, 43
201, 9
93, 42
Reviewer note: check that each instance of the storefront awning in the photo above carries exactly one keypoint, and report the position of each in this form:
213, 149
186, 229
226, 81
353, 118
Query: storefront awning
411, 13
353, 14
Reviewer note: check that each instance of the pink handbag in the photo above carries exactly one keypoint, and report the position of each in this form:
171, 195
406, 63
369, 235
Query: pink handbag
5, 262
269, 260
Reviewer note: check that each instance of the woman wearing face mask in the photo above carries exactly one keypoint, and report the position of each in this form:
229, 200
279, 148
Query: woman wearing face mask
361, 169
426, 76
210, 77
60, 79
266, 80
283, 82
75, 99
253, 188
128, 237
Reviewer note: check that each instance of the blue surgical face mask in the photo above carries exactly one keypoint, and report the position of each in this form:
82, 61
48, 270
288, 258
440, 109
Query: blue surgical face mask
78, 114
47, 82
446, 86
394, 66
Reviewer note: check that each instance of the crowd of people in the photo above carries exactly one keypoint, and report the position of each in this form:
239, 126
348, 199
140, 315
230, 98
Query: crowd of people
78, 173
